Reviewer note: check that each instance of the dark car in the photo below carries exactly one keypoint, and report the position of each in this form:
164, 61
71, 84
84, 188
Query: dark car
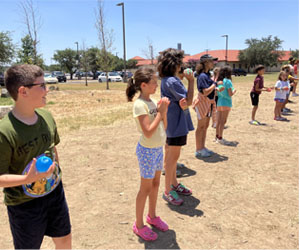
128, 74
1, 79
239, 72
61, 77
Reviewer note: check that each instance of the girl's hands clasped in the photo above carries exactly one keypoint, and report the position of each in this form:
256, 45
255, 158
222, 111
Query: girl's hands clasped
162, 105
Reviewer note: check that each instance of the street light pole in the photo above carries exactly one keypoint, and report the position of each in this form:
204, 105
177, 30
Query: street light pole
124, 47
78, 62
226, 58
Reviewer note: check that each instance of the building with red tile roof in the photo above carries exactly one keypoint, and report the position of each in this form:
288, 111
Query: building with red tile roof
232, 59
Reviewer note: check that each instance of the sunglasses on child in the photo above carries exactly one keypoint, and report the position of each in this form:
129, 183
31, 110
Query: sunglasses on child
42, 85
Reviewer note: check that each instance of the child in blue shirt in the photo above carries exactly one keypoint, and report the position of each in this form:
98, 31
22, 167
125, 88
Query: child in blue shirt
179, 119
224, 103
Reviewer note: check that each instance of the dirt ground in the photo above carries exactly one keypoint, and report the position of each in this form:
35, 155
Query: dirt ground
244, 197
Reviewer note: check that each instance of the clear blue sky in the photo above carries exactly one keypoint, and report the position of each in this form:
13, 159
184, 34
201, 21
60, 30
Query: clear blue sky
197, 24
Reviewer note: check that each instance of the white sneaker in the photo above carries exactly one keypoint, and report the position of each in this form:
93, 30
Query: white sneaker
295, 94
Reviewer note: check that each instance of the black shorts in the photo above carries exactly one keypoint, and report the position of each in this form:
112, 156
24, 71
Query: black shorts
176, 141
30, 221
254, 98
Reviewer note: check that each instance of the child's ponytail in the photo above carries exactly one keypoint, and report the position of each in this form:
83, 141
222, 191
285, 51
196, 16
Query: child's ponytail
134, 84
131, 90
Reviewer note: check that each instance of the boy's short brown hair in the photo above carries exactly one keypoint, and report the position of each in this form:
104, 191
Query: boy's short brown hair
20, 75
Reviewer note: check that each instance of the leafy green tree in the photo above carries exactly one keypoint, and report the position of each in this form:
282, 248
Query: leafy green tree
93, 59
7, 48
265, 51
67, 60
295, 54
27, 53
131, 64
53, 67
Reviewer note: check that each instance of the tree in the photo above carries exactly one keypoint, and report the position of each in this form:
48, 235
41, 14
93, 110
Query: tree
149, 51
85, 61
27, 53
106, 41
295, 54
67, 60
93, 58
32, 21
131, 64
7, 48
264, 51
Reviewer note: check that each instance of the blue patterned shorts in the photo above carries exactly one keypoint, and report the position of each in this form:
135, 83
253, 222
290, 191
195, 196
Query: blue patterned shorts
150, 160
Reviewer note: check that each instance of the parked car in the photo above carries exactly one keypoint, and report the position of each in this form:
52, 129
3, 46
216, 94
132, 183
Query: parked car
128, 74
112, 77
49, 78
1, 79
239, 72
61, 77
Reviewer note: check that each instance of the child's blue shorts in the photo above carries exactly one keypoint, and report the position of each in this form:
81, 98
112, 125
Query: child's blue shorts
30, 221
150, 160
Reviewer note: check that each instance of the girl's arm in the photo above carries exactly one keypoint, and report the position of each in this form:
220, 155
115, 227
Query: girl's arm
147, 126
207, 91
258, 89
230, 92
190, 90
165, 121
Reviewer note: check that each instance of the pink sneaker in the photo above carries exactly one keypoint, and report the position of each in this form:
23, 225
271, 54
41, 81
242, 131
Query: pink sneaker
145, 233
158, 223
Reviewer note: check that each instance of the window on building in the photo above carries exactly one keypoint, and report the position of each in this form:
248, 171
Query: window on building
240, 66
233, 66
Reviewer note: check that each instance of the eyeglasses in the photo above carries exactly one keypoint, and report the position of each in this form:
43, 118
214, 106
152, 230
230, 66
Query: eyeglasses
42, 85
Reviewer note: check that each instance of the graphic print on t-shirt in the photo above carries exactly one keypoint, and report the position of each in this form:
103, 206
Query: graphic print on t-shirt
44, 186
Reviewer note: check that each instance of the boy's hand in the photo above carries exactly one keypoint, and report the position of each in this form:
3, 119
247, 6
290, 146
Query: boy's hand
183, 104
33, 175
234, 91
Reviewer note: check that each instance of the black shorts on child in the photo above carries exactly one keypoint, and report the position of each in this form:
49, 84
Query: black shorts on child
30, 221
254, 98
177, 141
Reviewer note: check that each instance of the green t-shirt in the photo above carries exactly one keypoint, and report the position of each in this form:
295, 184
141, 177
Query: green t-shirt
19, 144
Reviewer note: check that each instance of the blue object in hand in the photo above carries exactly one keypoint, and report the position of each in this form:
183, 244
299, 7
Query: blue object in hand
43, 163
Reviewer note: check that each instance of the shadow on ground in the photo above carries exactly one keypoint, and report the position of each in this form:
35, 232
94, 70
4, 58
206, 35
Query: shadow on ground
214, 158
188, 207
165, 240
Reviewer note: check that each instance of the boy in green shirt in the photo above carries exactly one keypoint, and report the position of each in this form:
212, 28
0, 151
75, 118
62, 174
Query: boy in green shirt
35, 201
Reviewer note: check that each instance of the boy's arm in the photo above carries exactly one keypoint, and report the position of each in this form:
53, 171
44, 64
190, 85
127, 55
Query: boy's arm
13, 180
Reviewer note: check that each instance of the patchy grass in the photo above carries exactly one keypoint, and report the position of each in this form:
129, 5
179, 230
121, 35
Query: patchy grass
4, 101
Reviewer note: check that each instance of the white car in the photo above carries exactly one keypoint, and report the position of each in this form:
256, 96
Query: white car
112, 77
49, 78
